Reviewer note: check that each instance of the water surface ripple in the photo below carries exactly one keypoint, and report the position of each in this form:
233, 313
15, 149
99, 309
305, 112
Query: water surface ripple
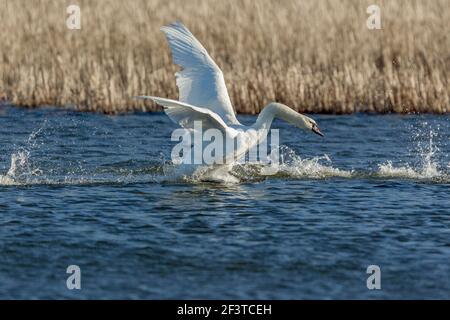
96, 191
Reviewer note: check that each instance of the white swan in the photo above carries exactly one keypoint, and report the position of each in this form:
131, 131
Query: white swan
204, 96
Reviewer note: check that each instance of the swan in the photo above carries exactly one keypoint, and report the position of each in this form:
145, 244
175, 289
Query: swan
203, 97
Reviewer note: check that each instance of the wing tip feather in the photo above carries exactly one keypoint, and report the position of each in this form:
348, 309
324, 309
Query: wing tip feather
175, 26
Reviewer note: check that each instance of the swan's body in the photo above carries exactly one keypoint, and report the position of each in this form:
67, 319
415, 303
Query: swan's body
204, 96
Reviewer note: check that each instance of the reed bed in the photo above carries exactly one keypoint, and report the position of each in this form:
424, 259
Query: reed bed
315, 56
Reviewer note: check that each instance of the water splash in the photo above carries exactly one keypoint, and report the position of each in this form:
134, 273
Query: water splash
293, 165
22, 170
27, 168
427, 166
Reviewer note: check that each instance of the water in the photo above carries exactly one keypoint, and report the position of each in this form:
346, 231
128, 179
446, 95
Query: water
97, 191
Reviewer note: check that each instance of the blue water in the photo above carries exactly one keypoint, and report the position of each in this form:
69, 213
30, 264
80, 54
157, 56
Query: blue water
94, 191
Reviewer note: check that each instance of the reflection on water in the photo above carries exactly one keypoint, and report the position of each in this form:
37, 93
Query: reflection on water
100, 191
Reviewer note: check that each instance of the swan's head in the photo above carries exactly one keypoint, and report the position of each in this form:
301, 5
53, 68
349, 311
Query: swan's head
285, 113
310, 125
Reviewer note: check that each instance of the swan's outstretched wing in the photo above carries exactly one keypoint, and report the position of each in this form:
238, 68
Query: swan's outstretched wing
200, 82
185, 114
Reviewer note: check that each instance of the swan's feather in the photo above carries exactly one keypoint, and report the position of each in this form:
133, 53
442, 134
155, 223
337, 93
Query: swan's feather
185, 114
200, 82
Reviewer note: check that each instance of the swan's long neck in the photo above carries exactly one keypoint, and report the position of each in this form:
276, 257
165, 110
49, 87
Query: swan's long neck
277, 110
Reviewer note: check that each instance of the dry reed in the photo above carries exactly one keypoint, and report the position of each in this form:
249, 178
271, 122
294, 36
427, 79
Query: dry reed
315, 56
